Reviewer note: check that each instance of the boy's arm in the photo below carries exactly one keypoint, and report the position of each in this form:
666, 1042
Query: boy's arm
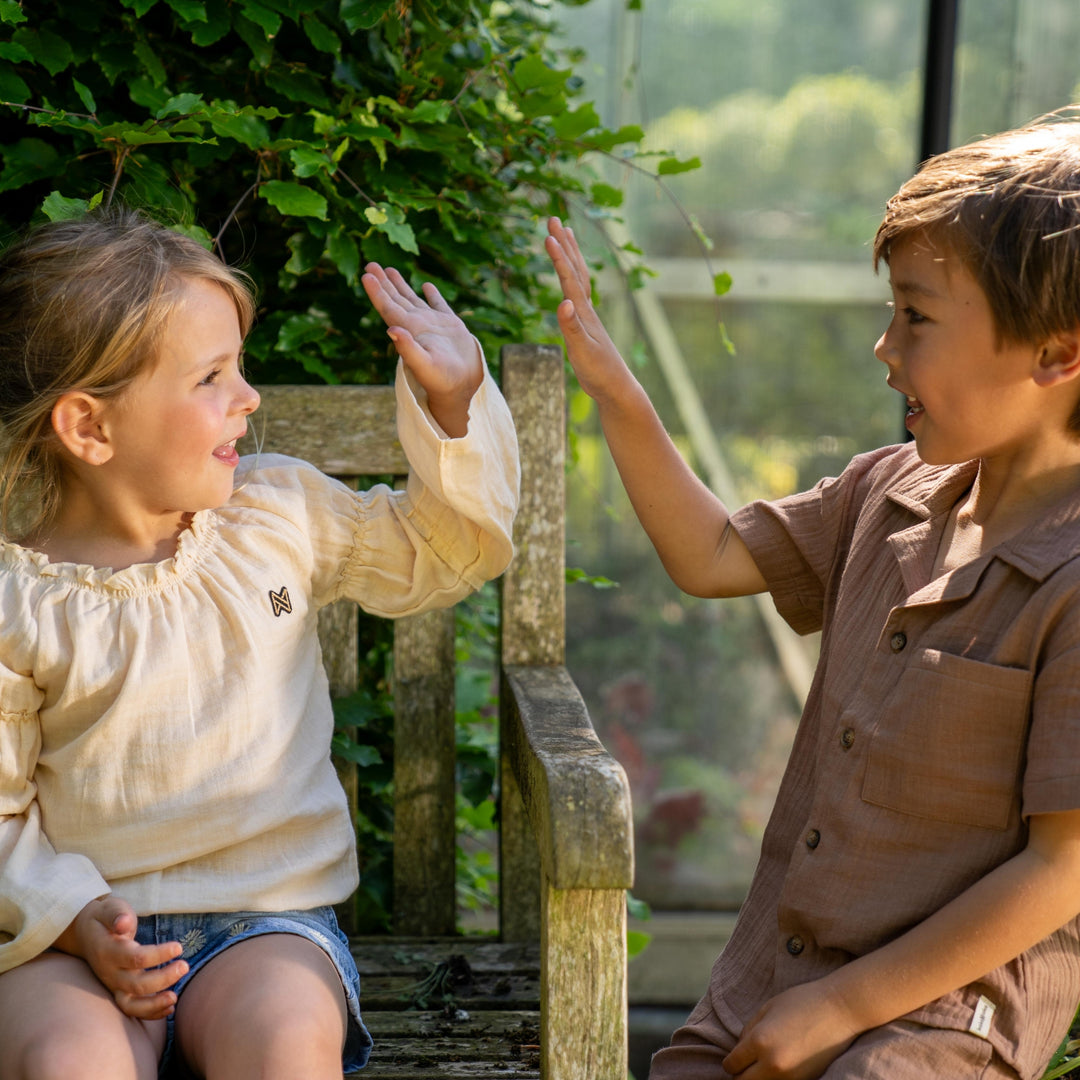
796, 1034
685, 521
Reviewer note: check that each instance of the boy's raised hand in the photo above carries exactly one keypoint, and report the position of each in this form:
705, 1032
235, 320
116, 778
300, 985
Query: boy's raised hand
434, 343
103, 934
592, 353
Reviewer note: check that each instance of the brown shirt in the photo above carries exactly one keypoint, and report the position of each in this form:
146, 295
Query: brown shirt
943, 713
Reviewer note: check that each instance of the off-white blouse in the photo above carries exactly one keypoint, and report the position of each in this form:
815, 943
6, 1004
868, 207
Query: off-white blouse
165, 729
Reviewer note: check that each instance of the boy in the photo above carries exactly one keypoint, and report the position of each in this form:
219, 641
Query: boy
914, 911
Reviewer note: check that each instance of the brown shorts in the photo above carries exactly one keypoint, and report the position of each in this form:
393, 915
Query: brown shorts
897, 1051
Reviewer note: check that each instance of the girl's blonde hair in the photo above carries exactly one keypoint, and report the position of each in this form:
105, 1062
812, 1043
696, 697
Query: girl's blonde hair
83, 304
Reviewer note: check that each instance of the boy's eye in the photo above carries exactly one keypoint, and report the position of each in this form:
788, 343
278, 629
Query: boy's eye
912, 316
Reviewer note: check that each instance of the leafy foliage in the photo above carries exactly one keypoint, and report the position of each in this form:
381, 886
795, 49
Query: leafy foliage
305, 138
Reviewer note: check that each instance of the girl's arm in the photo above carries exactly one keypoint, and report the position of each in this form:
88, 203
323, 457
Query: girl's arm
434, 343
686, 522
799, 1032
103, 934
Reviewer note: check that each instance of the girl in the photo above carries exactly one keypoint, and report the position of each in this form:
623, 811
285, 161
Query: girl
172, 832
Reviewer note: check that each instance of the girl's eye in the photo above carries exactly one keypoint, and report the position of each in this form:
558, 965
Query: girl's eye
211, 378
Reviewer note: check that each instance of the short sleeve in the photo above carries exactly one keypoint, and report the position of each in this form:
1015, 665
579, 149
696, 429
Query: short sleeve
40, 891
800, 542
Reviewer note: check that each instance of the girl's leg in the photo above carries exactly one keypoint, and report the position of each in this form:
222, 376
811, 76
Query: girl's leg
268, 1007
57, 1021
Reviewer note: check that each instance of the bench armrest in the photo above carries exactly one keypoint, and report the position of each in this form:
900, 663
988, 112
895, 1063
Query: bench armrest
575, 793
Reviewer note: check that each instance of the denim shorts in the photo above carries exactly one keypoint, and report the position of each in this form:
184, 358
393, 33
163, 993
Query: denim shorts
204, 936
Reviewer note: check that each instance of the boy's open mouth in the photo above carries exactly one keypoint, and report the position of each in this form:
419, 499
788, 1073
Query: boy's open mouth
914, 405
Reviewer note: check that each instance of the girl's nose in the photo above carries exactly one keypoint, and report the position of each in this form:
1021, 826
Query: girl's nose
248, 398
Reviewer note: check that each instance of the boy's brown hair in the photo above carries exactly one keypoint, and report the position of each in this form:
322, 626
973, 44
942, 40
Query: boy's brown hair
1008, 206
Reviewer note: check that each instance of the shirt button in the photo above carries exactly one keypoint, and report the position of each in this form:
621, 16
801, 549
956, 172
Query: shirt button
795, 945
813, 838
898, 641
847, 738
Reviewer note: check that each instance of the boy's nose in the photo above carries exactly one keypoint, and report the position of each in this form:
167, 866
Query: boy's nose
881, 349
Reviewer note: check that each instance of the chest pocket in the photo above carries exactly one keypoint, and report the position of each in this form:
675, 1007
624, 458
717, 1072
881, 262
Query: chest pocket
949, 746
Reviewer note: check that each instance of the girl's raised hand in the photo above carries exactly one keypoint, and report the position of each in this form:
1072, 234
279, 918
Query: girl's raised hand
593, 355
434, 343
103, 934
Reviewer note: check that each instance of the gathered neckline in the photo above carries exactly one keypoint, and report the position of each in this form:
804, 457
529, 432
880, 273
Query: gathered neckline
139, 577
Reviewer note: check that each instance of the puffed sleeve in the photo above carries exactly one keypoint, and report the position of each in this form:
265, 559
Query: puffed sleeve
40, 891
451, 529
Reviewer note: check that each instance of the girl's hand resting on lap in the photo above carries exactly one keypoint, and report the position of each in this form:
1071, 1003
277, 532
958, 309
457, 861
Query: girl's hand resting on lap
103, 934
434, 343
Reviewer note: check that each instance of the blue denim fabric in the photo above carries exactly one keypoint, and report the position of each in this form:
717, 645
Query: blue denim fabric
204, 936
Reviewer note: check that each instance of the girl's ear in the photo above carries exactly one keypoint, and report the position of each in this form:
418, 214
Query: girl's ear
76, 419
1059, 359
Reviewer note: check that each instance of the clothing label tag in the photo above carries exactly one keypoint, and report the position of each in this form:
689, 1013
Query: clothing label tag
983, 1018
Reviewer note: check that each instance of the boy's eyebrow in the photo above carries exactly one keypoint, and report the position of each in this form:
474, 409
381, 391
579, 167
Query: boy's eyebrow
916, 288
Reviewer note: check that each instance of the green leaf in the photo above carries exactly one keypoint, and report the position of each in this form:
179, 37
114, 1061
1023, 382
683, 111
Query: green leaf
254, 37
636, 943
531, 73
57, 207
597, 581
321, 36
670, 166
606, 140
27, 161
181, 104
140, 7
574, 123
16, 53
149, 60
218, 24
246, 129
721, 283
269, 21
50, 50
295, 199
188, 10
344, 253
89, 104
390, 220
307, 161
605, 195
196, 233
11, 12
364, 14
431, 112
12, 88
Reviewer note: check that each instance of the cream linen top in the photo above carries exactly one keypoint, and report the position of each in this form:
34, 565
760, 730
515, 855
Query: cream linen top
165, 729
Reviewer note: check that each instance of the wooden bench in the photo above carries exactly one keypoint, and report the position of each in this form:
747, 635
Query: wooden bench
547, 998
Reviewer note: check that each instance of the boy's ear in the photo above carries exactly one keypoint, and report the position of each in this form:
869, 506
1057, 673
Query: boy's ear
1059, 359
76, 419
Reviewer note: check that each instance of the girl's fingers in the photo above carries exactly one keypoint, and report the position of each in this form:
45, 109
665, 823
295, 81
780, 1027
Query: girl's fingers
435, 299
154, 1007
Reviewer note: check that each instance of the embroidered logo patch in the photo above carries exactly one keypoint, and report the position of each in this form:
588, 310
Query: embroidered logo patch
280, 601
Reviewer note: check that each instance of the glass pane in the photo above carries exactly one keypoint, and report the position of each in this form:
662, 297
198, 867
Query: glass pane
1016, 59
805, 118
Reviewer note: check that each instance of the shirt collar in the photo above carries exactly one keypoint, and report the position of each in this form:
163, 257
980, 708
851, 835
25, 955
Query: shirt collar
1036, 551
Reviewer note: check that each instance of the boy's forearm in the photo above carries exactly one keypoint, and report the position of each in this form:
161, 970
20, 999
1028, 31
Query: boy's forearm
684, 520
1003, 914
